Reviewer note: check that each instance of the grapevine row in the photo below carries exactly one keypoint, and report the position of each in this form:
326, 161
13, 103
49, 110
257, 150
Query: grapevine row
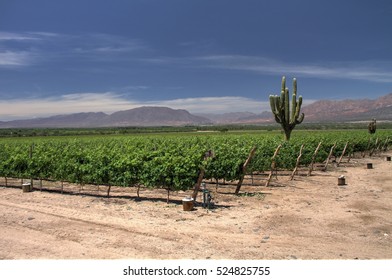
171, 162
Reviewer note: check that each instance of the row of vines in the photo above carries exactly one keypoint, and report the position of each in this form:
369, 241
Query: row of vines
171, 161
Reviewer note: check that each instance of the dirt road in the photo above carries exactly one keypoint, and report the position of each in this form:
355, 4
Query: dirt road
308, 218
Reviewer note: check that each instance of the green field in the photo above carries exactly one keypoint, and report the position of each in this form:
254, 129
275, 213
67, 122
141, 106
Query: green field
170, 159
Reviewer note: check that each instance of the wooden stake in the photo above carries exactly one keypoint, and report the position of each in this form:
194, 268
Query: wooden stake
207, 155
109, 190
198, 183
329, 157
273, 165
385, 146
341, 156
138, 190
374, 147
297, 163
243, 171
313, 159
367, 149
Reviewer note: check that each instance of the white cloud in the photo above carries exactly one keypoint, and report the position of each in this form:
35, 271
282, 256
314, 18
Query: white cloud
22, 49
11, 58
109, 102
375, 71
66, 104
222, 104
9, 36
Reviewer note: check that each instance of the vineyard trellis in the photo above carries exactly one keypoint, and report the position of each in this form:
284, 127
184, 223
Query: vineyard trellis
176, 162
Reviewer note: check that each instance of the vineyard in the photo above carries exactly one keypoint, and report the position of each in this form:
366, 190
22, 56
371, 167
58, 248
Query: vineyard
174, 162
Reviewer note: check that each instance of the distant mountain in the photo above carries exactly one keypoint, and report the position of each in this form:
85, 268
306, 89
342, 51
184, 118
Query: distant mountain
153, 116
319, 111
227, 117
71, 120
143, 116
349, 110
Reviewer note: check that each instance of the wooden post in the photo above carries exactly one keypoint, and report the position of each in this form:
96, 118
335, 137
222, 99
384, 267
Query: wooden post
297, 163
329, 157
313, 159
273, 165
379, 148
367, 148
207, 155
198, 183
374, 147
385, 146
31, 156
138, 191
109, 187
243, 171
341, 156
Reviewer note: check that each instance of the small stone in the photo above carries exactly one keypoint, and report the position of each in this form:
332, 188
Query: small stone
30, 218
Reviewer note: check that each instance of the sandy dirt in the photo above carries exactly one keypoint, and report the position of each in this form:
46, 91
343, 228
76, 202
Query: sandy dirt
307, 218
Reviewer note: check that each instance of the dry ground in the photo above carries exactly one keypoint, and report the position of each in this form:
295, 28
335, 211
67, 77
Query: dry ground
308, 218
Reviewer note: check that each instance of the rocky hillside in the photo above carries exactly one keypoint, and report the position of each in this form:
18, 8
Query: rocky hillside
143, 116
350, 110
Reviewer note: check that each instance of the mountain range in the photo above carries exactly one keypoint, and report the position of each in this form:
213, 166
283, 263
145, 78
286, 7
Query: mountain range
319, 111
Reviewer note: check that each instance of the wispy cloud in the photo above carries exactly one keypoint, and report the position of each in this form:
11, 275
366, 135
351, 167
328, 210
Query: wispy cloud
375, 71
22, 49
26, 48
103, 43
9, 36
15, 58
222, 104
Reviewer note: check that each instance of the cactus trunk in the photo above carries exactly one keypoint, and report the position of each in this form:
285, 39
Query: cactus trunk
280, 107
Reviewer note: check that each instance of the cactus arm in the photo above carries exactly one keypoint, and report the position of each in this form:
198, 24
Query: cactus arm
293, 108
297, 119
283, 98
274, 103
300, 119
283, 88
286, 105
294, 100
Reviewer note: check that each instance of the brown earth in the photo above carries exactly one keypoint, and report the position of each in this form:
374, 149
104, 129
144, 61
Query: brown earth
307, 218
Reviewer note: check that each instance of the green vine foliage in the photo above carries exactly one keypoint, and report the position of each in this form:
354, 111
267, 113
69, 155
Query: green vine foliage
172, 162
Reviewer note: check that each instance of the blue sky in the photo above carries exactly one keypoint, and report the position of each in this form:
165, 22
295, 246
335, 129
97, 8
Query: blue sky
201, 55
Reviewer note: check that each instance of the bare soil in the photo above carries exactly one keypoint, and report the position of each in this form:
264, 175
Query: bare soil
307, 218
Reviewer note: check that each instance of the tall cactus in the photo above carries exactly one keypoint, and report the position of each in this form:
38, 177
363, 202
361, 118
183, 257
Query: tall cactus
280, 106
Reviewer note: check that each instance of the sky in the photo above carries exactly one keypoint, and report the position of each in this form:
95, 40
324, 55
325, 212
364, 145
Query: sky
205, 56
